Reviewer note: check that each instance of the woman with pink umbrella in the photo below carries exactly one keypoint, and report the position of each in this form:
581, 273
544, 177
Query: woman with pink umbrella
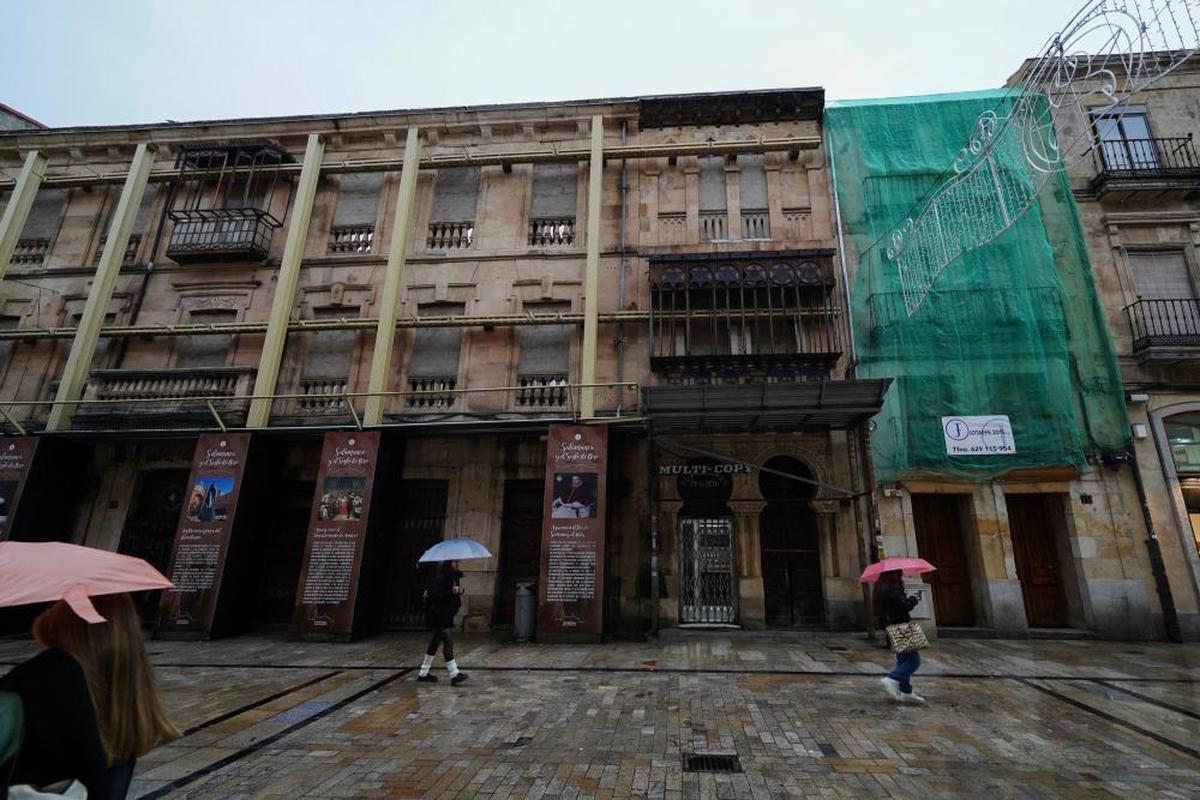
892, 607
89, 701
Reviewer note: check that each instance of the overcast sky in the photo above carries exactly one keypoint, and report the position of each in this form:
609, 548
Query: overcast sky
97, 62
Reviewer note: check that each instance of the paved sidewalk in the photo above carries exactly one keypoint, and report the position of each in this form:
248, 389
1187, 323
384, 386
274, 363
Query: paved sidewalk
804, 714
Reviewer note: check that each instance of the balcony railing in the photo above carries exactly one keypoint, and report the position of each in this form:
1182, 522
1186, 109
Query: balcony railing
1165, 323
235, 234
30, 252
552, 232
451, 235
714, 226
322, 396
131, 249
542, 391
166, 397
756, 223
1128, 162
434, 393
351, 238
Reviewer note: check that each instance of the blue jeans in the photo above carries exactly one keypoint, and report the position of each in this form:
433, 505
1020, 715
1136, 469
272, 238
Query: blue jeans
906, 665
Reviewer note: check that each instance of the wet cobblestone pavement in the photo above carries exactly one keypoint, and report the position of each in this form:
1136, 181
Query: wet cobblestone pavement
805, 716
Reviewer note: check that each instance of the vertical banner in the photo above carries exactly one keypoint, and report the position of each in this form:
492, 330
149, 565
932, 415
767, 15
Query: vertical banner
337, 531
16, 456
202, 537
571, 589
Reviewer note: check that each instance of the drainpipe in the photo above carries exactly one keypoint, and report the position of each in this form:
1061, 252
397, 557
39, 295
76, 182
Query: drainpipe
837, 215
1161, 582
141, 295
624, 188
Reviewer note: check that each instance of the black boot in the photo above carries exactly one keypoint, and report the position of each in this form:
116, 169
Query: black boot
431, 678
458, 679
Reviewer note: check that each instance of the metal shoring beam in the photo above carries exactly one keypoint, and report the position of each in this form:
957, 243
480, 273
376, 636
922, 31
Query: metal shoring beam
591, 274
287, 278
83, 346
470, 159
363, 323
16, 213
389, 307
668, 444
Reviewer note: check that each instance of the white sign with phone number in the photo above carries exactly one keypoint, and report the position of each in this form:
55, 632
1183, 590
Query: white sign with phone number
978, 436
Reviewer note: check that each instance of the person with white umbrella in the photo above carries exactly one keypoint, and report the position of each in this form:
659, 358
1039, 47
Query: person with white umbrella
444, 595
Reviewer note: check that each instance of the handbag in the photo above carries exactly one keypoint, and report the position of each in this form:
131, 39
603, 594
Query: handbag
906, 637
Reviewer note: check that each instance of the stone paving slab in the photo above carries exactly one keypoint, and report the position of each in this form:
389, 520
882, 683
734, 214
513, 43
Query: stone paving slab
804, 714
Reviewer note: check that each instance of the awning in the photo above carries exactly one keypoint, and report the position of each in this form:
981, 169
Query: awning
764, 407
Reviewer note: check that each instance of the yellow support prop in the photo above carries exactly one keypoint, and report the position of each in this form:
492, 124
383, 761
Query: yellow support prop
591, 275
17, 210
83, 346
285, 287
389, 307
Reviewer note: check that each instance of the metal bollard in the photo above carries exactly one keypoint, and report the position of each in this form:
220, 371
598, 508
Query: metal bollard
524, 612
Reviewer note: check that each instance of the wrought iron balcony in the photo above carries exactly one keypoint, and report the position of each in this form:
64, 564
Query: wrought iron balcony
1157, 164
1165, 330
226, 234
767, 319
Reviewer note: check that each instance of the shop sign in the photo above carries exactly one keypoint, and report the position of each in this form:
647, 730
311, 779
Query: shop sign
704, 479
571, 588
202, 535
978, 436
337, 530
16, 457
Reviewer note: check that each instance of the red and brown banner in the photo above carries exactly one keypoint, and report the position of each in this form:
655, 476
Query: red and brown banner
571, 589
16, 457
202, 537
337, 531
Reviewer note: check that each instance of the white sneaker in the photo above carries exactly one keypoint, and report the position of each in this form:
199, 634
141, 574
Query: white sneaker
912, 697
892, 687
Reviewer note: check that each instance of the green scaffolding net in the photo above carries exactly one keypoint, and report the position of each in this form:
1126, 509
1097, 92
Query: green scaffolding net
1012, 329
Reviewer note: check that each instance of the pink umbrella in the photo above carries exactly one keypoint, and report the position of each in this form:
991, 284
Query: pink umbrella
41, 572
907, 566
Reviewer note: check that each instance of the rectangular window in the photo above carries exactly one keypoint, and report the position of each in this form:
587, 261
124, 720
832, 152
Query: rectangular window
752, 192
353, 228
713, 215
436, 351
8, 322
452, 223
330, 353
545, 349
1161, 276
552, 212
1125, 141
208, 350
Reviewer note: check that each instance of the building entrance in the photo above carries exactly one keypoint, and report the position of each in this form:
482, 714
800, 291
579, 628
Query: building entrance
422, 525
940, 541
1031, 522
149, 531
520, 543
790, 545
707, 584
283, 552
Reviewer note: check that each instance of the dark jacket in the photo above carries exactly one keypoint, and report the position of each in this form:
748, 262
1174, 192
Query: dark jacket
443, 602
892, 604
62, 736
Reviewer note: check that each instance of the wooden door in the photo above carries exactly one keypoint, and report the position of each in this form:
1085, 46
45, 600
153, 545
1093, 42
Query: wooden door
149, 531
940, 540
1030, 522
520, 543
791, 565
422, 524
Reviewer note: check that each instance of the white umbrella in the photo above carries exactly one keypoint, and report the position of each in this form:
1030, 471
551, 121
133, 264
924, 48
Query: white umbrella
455, 550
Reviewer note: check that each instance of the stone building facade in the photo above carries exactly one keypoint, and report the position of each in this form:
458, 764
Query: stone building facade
458, 280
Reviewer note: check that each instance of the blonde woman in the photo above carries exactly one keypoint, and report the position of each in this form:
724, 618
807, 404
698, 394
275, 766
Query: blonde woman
91, 704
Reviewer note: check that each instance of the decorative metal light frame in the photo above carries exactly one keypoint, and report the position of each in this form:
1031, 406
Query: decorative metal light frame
1108, 52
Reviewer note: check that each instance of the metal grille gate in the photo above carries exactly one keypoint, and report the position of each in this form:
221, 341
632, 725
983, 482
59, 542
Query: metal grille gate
707, 593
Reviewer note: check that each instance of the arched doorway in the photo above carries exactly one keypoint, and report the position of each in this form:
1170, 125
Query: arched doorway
790, 547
